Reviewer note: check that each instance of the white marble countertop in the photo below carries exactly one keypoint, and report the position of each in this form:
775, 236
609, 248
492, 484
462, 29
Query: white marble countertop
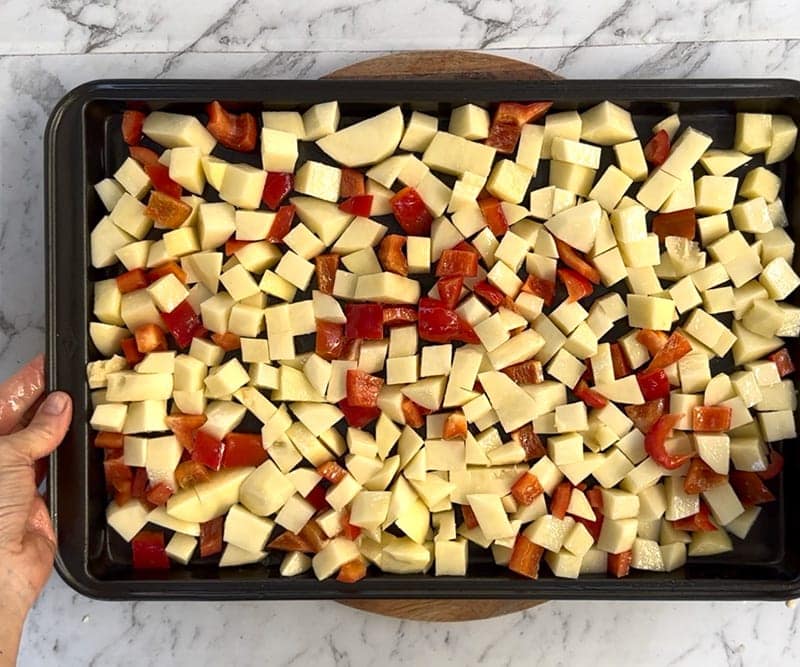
50, 46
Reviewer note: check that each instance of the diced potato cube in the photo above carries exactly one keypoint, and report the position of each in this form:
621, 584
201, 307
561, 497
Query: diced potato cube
630, 158
655, 190
779, 278
715, 194
783, 139
753, 132
469, 121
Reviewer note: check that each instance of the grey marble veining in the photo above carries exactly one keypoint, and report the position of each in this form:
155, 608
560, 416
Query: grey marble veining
49, 46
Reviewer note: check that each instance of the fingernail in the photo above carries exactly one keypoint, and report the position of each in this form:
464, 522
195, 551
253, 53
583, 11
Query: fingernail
55, 404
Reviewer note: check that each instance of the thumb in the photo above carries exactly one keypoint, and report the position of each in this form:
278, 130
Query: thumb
46, 430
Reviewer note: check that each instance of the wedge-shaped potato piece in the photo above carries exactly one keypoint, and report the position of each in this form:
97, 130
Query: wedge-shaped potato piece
173, 129
208, 500
514, 406
366, 142
577, 226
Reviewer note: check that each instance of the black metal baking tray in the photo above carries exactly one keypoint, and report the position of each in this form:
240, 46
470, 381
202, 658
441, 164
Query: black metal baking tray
83, 144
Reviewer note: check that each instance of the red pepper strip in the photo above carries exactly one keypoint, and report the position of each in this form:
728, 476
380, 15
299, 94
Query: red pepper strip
206, 449
227, 341
701, 521
243, 449
470, 520
654, 341
619, 362
525, 372
149, 552
455, 426
150, 338
166, 211
351, 183
489, 293
331, 471
358, 417
163, 269
646, 415
619, 565
362, 389
439, 324
701, 477
529, 441
525, 557
457, 263
411, 213
132, 122
450, 290
232, 246
364, 320
526, 489
783, 361
237, 132
574, 260
190, 473
711, 418
577, 286
281, 224
144, 156
159, 494
184, 427
657, 149
330, 340
108, 440
775, 466
654, 384
560, 500
589, 395
276, 188
159, 175
390, 254
412, 413
183, 323
655, 443
544, 289
352, 572
676, 347
325, 267
508, 121
493, 214
132, 280
360, 205
677, 223
750, 488
394, 315
211, 537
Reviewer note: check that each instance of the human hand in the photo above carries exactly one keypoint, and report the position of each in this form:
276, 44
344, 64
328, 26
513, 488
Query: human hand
27, 541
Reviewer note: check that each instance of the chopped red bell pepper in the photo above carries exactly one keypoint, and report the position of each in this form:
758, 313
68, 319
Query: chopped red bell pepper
394, 315
276, 188
349, 531
150, 338
700, 521
595, 498
351, 184
351, 350
227, 341
281, 224
358, 417
455, 426
184, 427
589, 396
676, 347
183, 323
360, 205
412, 413
577, 262
108, 440
466, 246
325, 267
619, 362
525, 372
656, 150
206, 449
544, 289
131, 352
470, 520
144, 156
132, 280
232, 246
489, 293
352, 572
289, 541
243, 450
139, 485
594, 527
159, 176
654, 384
577, 286
783, 361
411, 213
655, 443
527, 488
654, 341
645, 416
190, 473
525, 557
619, 565
362, 388
167, 212
775, 466
211, 537
317, 497
701, 477
508, 120
159, 494
526, 437
390, 254
330, 340
439, 324
234, 131
148, 551
132, 122
364, 320
560, 500
457, 263
331, 471
163, 269
750, 488
711, 418
677, 223
493, 214
450, 290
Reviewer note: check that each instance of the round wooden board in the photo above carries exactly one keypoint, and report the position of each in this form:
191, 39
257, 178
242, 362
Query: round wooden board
442, 65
